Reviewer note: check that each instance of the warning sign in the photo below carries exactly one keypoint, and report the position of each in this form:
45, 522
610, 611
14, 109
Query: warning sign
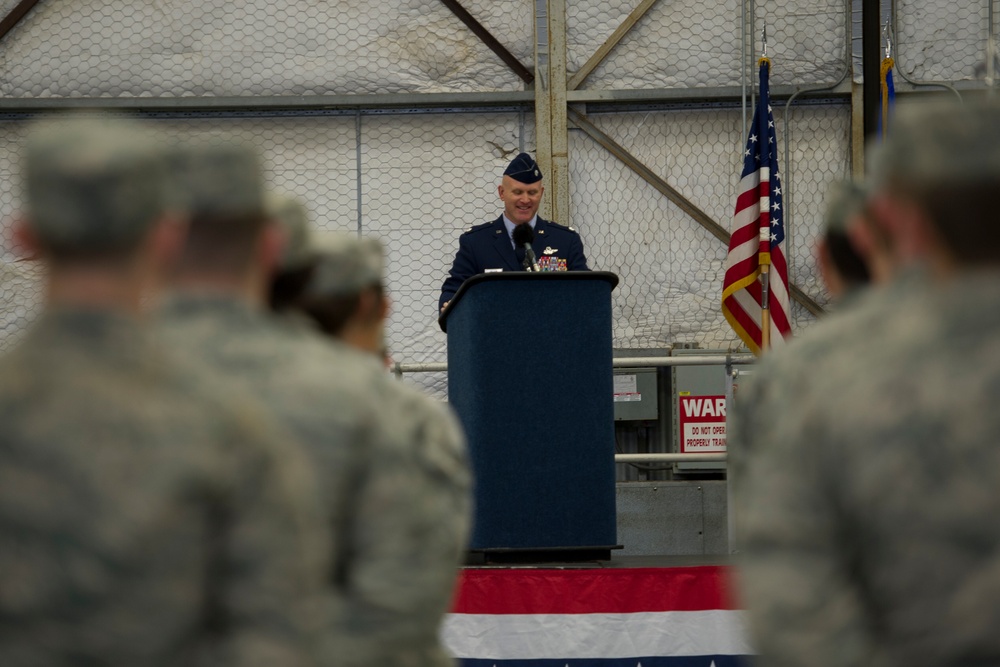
702, 421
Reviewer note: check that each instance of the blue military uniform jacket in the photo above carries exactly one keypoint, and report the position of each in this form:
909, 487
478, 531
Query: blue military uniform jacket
488, 247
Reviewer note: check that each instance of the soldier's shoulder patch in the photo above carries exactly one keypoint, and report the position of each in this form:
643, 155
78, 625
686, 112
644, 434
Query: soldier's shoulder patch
563, 227
478, 228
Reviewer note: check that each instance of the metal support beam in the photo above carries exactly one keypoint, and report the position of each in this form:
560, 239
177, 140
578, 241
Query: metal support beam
415, 102
15, 15
609, 44
551, 131
322, 104
649, 176
676, 197
489, 40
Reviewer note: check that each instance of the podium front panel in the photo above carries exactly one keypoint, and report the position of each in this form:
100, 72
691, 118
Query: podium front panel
529, 374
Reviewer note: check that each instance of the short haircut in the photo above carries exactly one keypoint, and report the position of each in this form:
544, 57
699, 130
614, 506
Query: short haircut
221, 245
846, 260
288, 286
332, 312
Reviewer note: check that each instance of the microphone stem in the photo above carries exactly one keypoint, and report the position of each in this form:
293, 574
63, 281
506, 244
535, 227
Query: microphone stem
530, 264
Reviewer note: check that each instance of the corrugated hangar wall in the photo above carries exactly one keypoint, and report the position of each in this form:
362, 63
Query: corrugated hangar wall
416, 173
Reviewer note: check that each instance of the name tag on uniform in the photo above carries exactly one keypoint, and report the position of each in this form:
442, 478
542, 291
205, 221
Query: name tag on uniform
493, 271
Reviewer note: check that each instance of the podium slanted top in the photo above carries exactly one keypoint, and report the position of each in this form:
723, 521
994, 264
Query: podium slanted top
607, 276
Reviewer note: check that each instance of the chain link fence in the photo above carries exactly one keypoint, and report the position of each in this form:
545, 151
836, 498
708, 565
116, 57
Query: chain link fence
942, 42
417, 179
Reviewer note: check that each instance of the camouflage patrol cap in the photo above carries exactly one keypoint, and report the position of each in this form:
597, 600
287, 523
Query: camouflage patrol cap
94, 184
219, 179
937, 143
845, 200
291, 215
346, 264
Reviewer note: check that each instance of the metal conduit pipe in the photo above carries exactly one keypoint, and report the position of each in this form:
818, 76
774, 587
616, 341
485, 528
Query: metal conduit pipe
789, 199
670, 457
400, 368
693, 360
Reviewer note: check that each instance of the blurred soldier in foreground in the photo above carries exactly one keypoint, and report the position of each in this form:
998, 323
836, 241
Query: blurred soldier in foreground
346, 298
297, 254
333, 398
142, 521
843, 269
869, 502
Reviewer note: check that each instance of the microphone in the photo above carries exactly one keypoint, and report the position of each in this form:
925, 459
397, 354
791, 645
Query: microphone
523, 236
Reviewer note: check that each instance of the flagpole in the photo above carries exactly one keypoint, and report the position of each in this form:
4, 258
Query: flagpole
765, 308
885, 80
764, 240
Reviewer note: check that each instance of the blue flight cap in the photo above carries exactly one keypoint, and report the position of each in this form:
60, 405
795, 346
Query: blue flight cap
524, 169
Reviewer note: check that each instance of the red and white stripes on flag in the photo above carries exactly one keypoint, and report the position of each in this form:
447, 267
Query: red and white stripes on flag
597, 617
756, 245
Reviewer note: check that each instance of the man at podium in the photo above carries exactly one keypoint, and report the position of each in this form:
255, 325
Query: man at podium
494, 246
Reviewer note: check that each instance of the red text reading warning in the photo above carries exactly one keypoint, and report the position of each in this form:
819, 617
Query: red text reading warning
702, 423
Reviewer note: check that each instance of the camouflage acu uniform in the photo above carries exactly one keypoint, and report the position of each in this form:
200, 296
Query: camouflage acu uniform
144, 520
869, 512
867, 457
428, 435
396, 540
415, 594
380, 456
141, 522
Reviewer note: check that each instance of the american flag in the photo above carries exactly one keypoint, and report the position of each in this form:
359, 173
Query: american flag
757, 236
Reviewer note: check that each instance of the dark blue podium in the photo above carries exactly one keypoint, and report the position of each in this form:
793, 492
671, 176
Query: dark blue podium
529, 375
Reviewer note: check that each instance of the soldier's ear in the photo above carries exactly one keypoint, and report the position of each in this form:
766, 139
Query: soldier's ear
167, 238
271, 245
22, 240
373, 306
384, 306
827, 269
